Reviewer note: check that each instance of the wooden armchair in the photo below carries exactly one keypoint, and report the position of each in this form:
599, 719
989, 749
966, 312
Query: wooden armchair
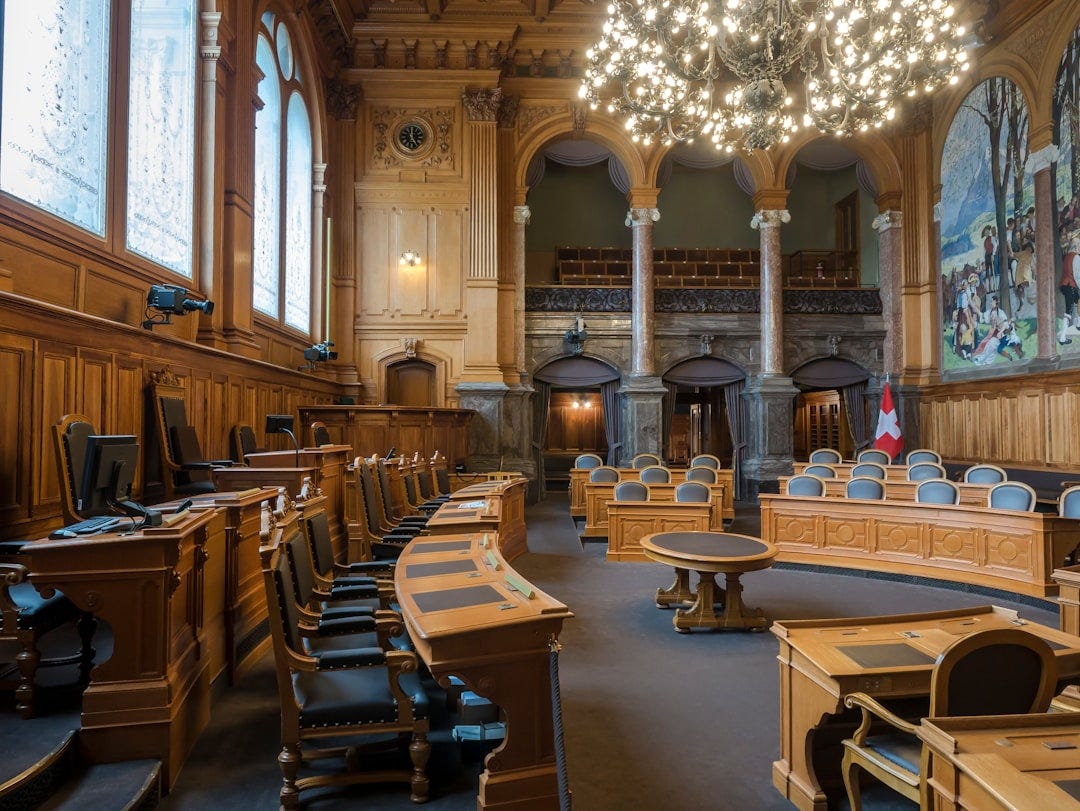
242, 441
1004, 671
185, 470
69, 443
320, 434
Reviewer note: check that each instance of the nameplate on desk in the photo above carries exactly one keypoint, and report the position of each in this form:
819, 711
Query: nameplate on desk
485, 542
168, 519
517, 583
492, 560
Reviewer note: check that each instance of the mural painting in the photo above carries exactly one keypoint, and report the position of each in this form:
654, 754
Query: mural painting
988, 232
1066, 181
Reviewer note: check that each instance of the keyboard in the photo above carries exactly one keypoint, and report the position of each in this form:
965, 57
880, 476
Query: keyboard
98, 523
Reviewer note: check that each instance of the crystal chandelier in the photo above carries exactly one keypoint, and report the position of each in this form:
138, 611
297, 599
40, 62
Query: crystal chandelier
678, 68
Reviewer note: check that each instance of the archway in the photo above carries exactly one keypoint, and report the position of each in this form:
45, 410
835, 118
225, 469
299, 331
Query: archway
831, 408
412, 382
703, 408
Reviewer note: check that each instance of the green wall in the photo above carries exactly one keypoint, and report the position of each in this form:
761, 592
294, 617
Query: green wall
576, 205
703, 208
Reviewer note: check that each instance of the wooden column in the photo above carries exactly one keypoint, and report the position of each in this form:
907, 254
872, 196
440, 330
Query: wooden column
889, 225
767, 223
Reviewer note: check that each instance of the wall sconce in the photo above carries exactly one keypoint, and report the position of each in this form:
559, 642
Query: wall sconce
582, 402
575, 337
409, 259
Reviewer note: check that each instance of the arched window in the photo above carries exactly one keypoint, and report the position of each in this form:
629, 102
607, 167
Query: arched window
283, 183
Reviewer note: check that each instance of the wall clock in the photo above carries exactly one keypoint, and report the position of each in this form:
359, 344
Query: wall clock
412, 137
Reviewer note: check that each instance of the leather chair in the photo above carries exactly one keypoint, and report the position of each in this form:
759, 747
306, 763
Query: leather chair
645, 460
69, 444
320, 434
868, 487
874, 455
804, 485
339, 693
1003, 671
185, 470
826, 456
985, 474
631, 491
923, 455
937, 491
655, 474
821, 471
871, 469
1012, 496
705, 475
693, 493
588, 461
387, 540
604, 475
1069, 502
705, 460
242, 441
920, 471
316, 529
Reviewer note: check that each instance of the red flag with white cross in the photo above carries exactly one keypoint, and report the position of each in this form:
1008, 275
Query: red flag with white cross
887, 437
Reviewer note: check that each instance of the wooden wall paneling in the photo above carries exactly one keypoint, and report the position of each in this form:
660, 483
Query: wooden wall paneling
373, 230
16, 370
1062, 436
198, 413
95, 390
224, 413
127, 410
54, 375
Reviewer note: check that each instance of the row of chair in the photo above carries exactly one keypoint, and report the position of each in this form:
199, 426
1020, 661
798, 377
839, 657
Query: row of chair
831, 456
654, 474
587, 461
688, 492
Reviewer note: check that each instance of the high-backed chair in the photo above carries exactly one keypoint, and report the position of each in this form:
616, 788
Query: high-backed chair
1018, 496
804, 485
821, 471
937, 491
655, 474
386, 541
1069, 502
871, 469
920, 471
242, 441
693, 492
604, 475
645, 460
874, 455
923, 455
705, 475
588, 461
826, 456
338, 692
69, 444
316, 529
706, 460
320, 434
1004, 671
868, 487
985, 474
631, 491
186, 472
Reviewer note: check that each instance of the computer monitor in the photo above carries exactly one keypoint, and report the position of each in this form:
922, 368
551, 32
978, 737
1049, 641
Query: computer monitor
108, 473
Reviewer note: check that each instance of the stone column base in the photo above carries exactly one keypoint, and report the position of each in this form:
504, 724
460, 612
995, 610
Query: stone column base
642, 417
770, 443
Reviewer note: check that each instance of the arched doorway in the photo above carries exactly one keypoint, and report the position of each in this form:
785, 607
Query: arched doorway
831, 408
412, 382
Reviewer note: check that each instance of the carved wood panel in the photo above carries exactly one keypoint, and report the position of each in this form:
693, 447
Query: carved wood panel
846, 534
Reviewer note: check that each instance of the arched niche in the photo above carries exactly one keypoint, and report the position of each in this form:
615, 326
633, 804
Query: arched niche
701, 391
831, 409
414, 365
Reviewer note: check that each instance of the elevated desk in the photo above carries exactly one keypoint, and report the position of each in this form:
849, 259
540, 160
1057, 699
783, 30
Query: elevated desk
1003, 549
472, 616
598, 495
579, 477
496, 507
1002, 762
821, 661
971, 494
151, 699
242, 477
461, 480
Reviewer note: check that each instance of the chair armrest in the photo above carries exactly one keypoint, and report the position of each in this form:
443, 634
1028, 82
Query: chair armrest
336, 626
354, 591
873, 709
195, 465
12, 548
350, 657
11, 574
373, 568
222, 463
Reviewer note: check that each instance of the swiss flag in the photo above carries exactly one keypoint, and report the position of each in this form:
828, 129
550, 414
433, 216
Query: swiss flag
887, 437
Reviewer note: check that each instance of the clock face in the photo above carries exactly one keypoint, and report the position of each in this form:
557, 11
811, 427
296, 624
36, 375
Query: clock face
411, 137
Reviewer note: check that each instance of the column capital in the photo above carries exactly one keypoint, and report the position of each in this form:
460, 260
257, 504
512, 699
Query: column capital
318, 177
1043, 158
209, 49
642, 216
888, 219
770, 218
481, 104
522, 215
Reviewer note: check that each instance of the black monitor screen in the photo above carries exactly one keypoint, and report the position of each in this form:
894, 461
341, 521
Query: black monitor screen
108, 473
279, 423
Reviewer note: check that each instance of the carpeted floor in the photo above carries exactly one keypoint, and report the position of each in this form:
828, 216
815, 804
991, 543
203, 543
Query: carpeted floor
654, 719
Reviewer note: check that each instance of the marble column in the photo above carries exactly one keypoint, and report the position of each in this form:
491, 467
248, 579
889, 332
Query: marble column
1046, 248
642, 390
767, 223
208, 277
889, 225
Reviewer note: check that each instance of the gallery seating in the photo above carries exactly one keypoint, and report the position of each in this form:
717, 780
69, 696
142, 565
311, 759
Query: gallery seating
921, 471
655, 474
1004, 671
1012, 496
937, 491
985, 474
874, 470
645, 460
588, 461
923, 455
868, 487
631, 491
826, 456
804, 485
605, 474
693, 493
705, 475
874, 455
821, 471
706, 460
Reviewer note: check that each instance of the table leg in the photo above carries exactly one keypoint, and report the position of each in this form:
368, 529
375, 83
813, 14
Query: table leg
677, 592
736, 614
701, 613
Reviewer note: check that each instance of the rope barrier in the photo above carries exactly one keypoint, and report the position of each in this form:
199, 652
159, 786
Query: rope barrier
556, 716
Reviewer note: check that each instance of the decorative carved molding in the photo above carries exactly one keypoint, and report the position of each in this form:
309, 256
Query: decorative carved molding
481, 104
522, 215
164, 376
770, 218
1030, 43
1037, 161
342, 99
700, 300
834, 343
886, 220
410, 346
508, 109
937, 212
706, 342
578, 113
642, 216
529, 116
209, 49
914, 116
384, 122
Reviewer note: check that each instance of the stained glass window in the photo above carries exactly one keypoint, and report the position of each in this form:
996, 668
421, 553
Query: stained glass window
161, 133
298, 221
55, 91
265, 261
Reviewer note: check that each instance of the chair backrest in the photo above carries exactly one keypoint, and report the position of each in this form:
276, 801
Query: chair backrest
423, 479
655, 474
587, 461
69, 443
923, 455
921, 471
645, 460
631, 491
604, 474
1069, 502
826, 456
693, 492
1018, 496
316, 528
705, 460
985, 474
705, 475
864, 487
408, 478
371, 499
1001, 671
871, 469
243, 442
178, 443
804, 485
874, 455
320, 434
442, 478
937, 491
821, 471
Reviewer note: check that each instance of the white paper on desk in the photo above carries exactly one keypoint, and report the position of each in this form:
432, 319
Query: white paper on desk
472, 505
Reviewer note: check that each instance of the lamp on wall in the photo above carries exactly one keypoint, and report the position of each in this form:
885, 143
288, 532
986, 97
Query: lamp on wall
409, 259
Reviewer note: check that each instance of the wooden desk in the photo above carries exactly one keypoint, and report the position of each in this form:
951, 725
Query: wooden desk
245, 478
502, 512
1068, 580
466, 621
151, 699
816, 674
599, 495
1000, 762
630, 521
843, 470
579, 477
462, 480
709, 553
971, 494
329, 462
1004, 549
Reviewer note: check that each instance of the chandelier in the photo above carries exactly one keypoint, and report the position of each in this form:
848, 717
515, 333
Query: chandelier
678, 69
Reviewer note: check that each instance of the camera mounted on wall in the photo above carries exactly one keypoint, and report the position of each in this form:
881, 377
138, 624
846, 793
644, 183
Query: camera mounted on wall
169, 300
317, 353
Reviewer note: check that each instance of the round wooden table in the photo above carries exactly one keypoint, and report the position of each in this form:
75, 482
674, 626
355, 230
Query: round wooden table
709, 553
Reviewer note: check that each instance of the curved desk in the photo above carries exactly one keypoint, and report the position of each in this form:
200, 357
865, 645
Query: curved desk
709, 553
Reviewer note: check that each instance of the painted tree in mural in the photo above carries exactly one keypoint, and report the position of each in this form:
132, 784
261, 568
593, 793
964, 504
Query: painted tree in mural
1067, 107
